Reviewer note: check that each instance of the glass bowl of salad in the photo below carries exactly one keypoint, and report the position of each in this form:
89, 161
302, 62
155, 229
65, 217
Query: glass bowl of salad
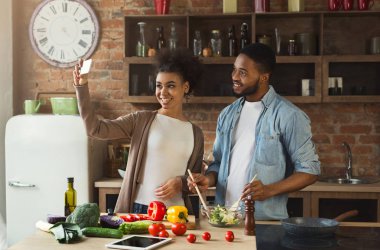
221, 216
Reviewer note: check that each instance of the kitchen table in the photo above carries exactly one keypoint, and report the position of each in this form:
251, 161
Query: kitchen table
45, 241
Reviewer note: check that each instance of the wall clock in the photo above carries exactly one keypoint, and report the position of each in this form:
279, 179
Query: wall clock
62, 31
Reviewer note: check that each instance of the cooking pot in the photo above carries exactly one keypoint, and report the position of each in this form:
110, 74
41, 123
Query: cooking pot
314, 227
64, 105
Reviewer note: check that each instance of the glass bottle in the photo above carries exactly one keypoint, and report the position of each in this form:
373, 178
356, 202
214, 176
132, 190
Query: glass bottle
197, 43
244, 40
216, 43
141, 48
173, 40
70, 197
161, 43
232, 43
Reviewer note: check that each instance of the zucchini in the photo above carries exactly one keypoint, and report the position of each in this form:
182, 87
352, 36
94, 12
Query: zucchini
136, 227
102, 232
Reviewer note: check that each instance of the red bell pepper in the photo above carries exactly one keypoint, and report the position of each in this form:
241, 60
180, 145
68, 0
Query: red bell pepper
156, 210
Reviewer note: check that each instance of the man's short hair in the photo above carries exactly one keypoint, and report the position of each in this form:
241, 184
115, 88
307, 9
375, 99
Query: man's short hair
262, 55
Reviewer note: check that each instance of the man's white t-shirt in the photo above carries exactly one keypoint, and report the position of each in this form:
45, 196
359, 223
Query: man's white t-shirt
243, 148
169, 147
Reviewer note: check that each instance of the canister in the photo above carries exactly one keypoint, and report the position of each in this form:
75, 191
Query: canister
296, 5
306, 44
375, 45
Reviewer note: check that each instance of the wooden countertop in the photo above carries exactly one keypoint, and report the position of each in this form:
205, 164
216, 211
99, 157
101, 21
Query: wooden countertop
45, 241
316, 187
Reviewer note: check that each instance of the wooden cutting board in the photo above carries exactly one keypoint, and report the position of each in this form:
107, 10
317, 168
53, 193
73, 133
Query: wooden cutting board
190, 224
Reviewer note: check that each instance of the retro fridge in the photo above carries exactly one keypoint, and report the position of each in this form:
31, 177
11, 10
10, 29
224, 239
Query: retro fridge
41, 151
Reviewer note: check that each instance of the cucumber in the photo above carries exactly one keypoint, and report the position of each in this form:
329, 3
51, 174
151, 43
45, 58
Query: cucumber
102, 232
136, 227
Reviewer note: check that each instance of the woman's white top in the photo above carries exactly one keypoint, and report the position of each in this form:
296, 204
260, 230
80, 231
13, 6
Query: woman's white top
170, 144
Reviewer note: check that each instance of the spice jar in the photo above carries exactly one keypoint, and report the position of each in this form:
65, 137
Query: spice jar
291, 48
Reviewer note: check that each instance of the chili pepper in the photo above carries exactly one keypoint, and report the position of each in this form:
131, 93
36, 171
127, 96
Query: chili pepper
156, 210
177, 214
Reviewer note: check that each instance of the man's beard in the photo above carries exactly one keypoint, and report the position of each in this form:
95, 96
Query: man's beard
249, 91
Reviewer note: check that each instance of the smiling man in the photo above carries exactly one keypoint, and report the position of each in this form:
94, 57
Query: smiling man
260, 133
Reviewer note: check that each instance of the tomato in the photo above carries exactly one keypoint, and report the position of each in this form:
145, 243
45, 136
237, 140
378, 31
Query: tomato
161, 227
229, 236
191, 238
164, 234
179, 229
206, 236
154, 229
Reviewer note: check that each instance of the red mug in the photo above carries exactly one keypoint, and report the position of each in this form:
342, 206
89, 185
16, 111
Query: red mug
334, 4
365, 4
261, 6
162, 6
348, 4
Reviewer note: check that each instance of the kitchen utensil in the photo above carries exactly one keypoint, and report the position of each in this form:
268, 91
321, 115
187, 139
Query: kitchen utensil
306, 43
365, 4
236, 204
334, 4
261, 6
31, 106
314, 227
348, 4
199, 194
64, 105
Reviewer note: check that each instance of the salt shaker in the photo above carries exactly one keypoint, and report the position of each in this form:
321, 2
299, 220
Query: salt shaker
249, 225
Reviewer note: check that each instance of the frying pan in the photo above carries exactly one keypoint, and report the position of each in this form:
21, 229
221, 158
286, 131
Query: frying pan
315, 227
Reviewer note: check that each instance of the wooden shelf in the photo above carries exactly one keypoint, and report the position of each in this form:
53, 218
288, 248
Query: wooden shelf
341, 52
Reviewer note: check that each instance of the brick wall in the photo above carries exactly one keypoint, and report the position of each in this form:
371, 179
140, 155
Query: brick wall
358, 124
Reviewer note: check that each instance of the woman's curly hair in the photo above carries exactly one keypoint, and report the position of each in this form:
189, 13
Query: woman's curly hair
182, 62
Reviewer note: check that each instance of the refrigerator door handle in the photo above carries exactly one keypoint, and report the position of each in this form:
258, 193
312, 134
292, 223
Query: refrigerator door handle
20, 184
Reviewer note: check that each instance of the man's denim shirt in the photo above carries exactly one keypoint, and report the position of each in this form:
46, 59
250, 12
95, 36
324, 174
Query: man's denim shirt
283, 145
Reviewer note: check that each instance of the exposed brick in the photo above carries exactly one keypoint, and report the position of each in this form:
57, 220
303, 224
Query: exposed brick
361, 149
370, 139
318, 138
355, 129
338, 139
113, 24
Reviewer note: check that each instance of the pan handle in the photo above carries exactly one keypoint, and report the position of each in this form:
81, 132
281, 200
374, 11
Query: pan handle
346, 215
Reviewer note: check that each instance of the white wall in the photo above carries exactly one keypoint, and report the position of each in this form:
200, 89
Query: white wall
6, 80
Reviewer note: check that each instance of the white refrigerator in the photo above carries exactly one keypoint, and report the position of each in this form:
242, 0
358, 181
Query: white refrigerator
41, 151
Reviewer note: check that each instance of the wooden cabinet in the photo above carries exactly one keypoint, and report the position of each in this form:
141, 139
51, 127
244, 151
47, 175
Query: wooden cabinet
342, 51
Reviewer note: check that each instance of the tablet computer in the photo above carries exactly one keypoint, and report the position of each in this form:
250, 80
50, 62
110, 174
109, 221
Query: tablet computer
138, 242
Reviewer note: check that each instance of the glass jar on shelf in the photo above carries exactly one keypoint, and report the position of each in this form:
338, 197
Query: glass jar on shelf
197, 43
141, 48
216, 43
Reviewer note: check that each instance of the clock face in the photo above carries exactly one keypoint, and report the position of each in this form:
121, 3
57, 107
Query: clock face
62, 31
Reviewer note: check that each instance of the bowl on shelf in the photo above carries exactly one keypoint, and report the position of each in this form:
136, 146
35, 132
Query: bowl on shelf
221, 216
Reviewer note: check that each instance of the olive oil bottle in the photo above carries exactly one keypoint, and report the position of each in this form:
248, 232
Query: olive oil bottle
70, 197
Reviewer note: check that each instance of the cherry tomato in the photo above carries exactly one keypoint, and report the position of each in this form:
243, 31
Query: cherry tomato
229, 236
164, 234
191, 238
179, 229
206, 236
154, 229
161, 227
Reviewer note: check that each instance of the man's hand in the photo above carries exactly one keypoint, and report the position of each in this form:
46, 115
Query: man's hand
170, 188
257, 190
201, 180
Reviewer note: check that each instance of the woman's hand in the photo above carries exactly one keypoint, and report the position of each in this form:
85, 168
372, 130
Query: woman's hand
201, 180
78, 78
170, 188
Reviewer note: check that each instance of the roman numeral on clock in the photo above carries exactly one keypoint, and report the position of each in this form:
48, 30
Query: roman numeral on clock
82, 43
43, 41
53, 10
51, 50
84, 20
86, 32
62, 54
64, 7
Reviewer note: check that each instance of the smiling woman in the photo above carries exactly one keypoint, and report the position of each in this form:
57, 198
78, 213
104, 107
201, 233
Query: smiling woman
164, 143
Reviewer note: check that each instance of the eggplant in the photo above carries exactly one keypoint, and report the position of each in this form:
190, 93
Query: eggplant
110, 221
52, 219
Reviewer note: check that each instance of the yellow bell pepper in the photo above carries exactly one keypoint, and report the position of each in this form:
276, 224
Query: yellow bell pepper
177, 214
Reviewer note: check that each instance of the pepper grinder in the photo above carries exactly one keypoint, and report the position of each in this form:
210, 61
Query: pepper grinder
249, 226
